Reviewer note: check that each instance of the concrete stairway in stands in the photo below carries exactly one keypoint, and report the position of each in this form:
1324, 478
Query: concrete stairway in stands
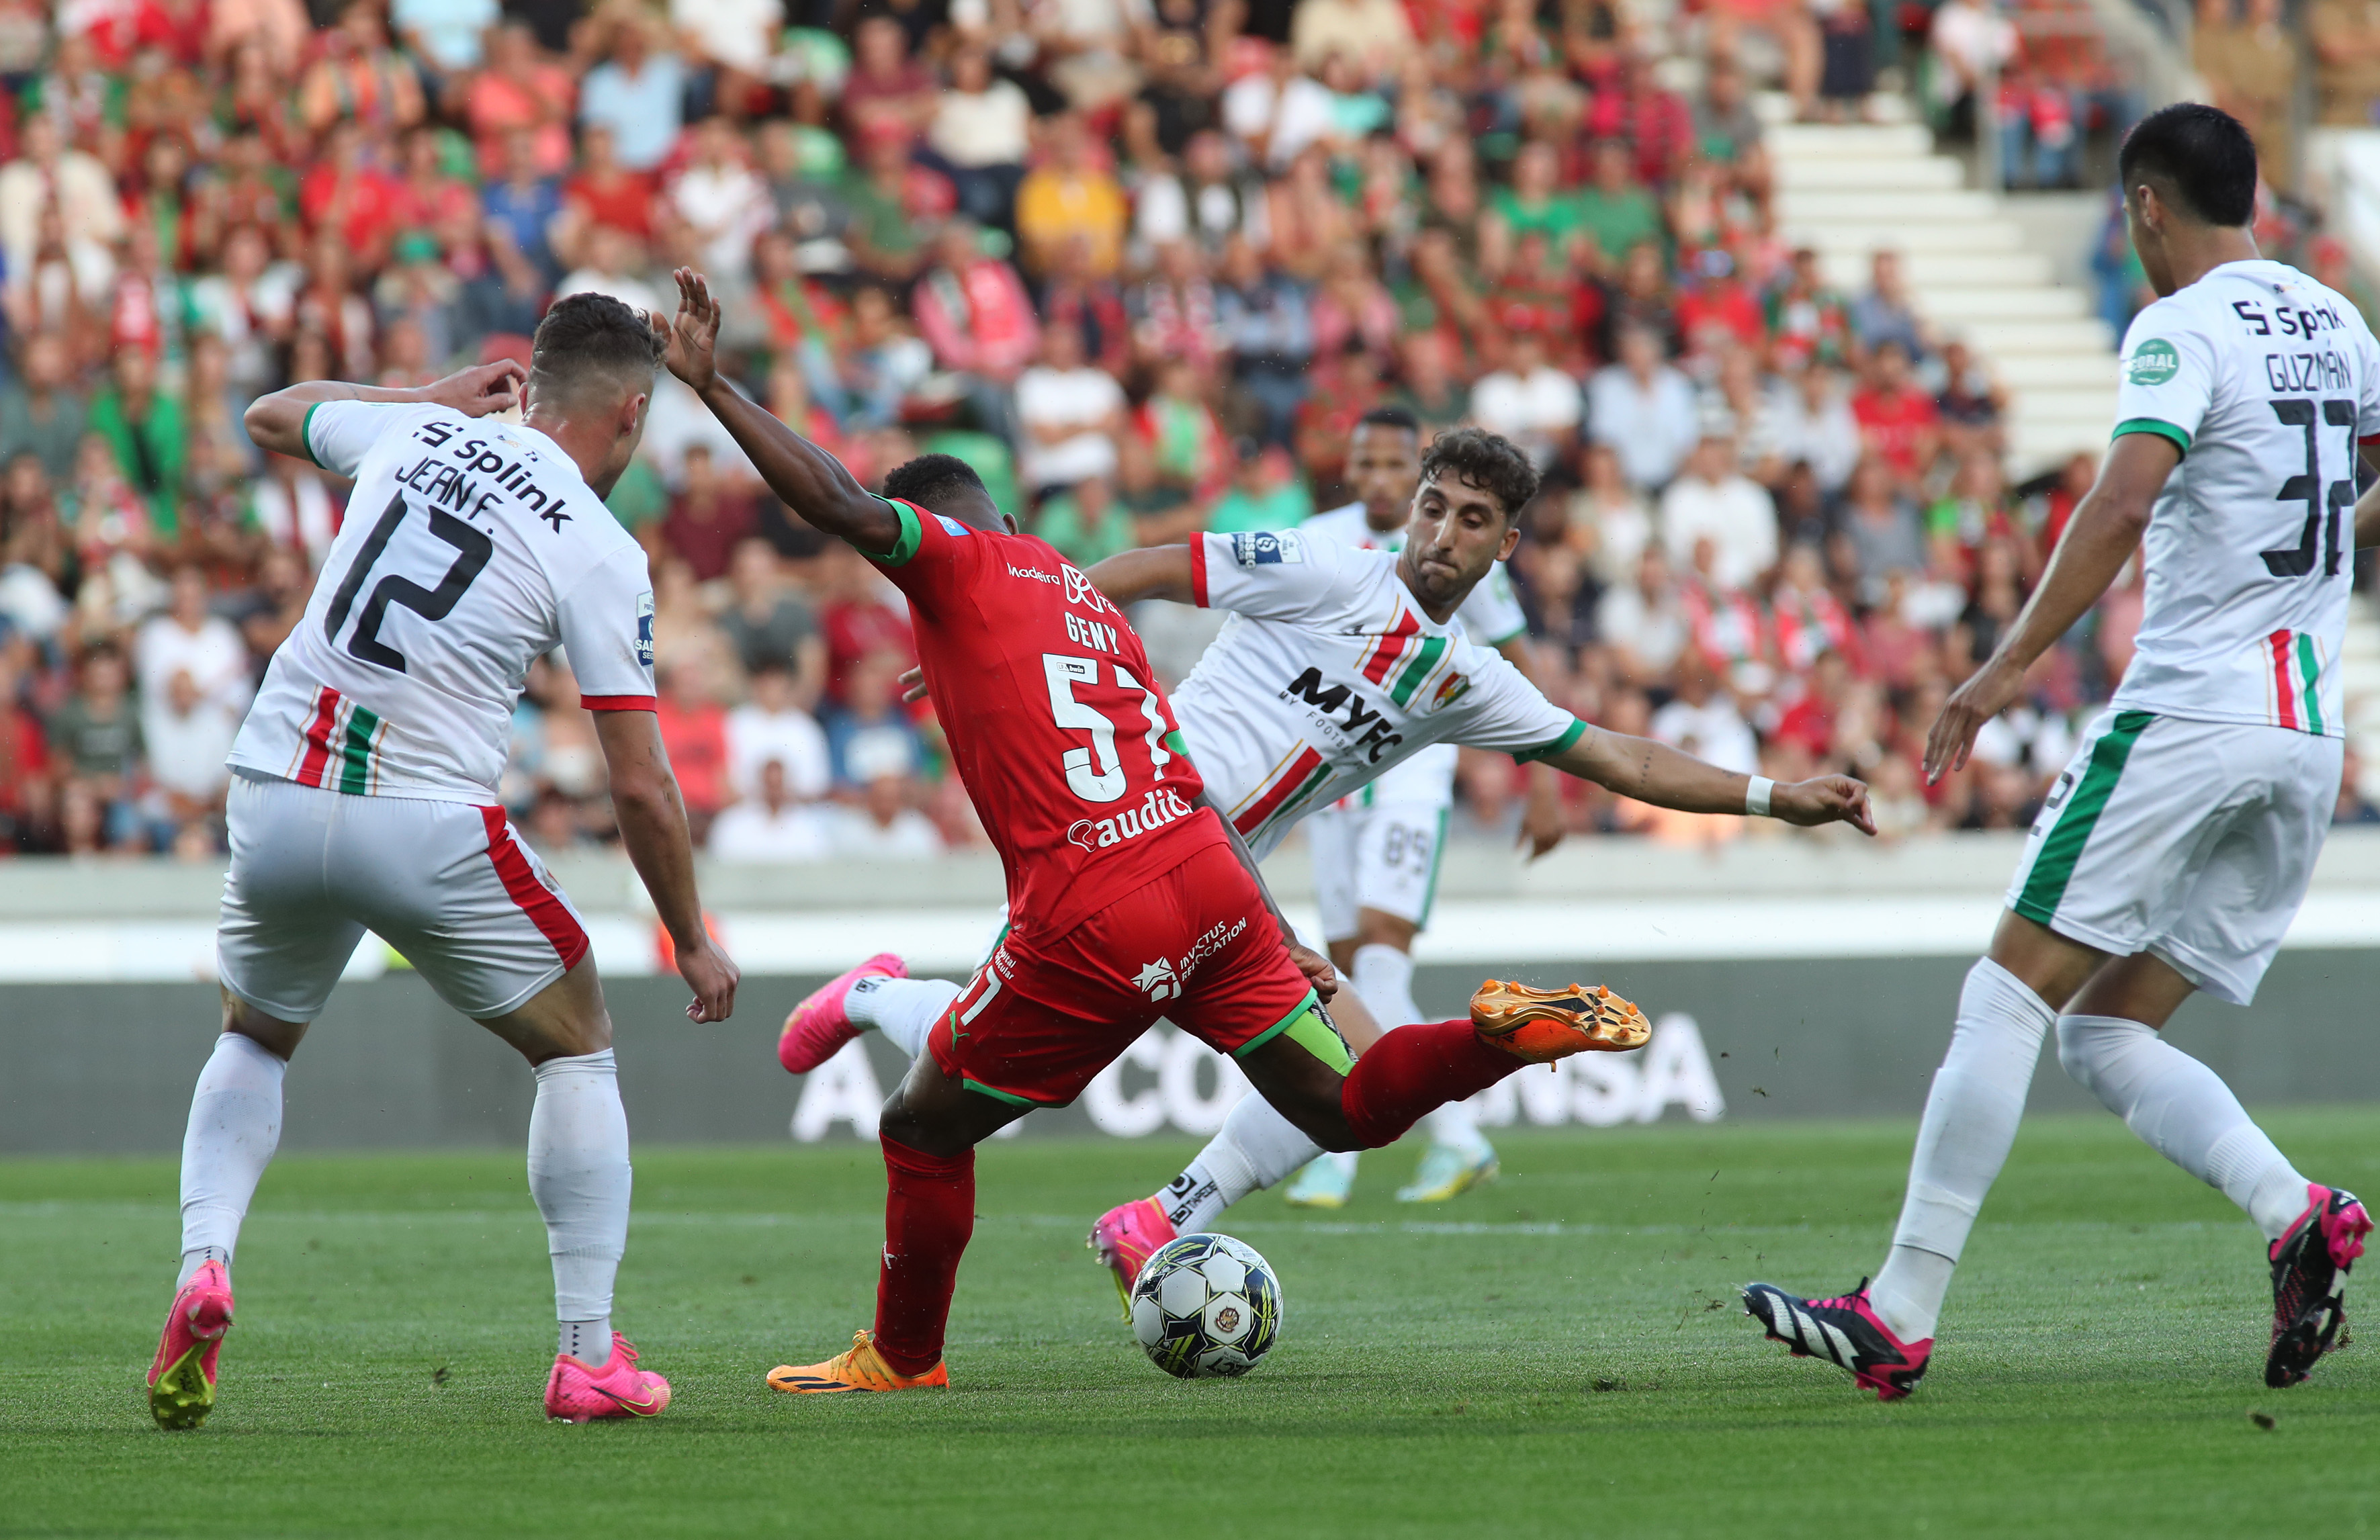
1850, 191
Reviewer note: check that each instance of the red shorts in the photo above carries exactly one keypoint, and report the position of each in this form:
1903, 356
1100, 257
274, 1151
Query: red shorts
1196, 946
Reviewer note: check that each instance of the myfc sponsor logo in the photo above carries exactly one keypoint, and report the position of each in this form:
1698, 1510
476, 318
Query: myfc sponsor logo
1368, 729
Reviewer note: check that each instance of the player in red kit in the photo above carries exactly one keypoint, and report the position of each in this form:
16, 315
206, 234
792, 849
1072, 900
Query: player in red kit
1129, 896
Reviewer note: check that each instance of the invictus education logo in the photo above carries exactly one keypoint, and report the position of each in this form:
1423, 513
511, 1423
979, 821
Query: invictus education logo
1159, 979
2153, 363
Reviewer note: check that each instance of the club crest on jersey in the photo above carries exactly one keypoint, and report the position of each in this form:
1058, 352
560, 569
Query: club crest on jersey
1157, 809
1265, 548
1450, 690
645, 629
1156, 978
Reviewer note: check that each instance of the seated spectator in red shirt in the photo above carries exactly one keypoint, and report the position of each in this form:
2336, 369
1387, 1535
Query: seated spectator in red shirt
1809, 722
863, 614
1898, 421
426, 197
974, 311
346, 196
694, 733
1719, 312
888, 94
707, 518
604, 192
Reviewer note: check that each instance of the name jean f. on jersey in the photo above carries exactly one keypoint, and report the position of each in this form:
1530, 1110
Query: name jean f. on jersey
471, 548
2267, 382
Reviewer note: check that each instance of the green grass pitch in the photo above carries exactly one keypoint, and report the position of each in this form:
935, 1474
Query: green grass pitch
1559, 1354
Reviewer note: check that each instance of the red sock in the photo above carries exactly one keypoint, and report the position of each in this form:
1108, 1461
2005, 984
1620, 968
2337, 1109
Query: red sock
1412, 1070
929, 1217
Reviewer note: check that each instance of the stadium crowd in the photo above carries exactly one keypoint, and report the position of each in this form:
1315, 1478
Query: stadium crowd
1143, 263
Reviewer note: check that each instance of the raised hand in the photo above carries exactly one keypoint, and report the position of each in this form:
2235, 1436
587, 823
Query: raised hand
480, 389
693, 334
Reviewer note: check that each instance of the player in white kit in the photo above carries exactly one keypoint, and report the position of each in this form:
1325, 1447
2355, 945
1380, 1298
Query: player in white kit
1337, 665
364, 798
1377, 853
2175, 850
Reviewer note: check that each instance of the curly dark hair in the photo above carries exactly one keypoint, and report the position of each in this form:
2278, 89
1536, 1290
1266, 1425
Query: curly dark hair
930, 479
1490, 461
590, 336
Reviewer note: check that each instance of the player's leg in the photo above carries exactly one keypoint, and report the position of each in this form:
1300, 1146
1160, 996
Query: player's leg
280, 948
2229, 923
453, 890
1334, 837
877, 995
994, 1058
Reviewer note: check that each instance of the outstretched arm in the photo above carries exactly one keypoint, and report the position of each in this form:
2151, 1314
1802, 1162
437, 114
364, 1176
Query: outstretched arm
2102, 536
652, 826
1655, 772
277, 422
1152, 572
806, 478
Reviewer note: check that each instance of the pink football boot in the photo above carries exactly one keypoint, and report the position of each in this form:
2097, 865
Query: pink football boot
574, 1393
817, 1029
182, 1377
1124, 1239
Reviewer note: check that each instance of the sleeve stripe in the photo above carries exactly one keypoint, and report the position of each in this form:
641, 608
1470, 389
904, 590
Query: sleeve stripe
619, 702
1198, 571
1576, 730
913, 535
2152, 425
306, 434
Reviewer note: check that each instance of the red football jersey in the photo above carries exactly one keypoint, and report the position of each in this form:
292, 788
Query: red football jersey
1066, 745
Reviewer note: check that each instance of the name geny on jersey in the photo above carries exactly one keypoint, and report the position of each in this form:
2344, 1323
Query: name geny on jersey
1157, 809
448, 482
1377, 739
1093, 634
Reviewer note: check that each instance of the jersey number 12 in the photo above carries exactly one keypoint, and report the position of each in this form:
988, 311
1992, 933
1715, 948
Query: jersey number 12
475, 546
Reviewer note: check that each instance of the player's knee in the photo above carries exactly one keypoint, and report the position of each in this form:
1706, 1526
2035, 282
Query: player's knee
279, 1038
1377, 927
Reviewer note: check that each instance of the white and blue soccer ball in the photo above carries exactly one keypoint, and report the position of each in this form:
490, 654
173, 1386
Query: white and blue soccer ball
1206, 1307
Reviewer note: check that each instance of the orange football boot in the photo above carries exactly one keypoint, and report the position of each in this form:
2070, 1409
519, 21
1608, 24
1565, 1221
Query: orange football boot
860, 1368
1541, 1026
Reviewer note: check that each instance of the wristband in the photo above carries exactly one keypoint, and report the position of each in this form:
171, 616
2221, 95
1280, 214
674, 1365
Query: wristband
1755, 796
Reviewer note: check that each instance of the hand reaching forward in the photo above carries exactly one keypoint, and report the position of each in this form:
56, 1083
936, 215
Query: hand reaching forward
480, 390
1823, 799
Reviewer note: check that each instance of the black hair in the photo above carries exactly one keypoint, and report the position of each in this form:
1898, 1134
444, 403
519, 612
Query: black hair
591, 335
930, 479
1390, 416
2201, 155
1488, 461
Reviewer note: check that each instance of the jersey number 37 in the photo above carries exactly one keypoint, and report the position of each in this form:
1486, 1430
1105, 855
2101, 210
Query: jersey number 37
2325, 502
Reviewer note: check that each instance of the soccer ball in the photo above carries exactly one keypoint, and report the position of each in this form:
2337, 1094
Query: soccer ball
1206, 1307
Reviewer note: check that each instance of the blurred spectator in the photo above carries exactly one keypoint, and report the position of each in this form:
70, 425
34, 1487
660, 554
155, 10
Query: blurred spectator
1069, 414
771, 825
1884, 314
1615, 211
1701, 719
884, 826
609, 264
1643, 410
974, 311
1530, 401
723, 202
188, 641
771, 728
1205, 201
979, 135
1814, 426
1971, 39
694, 735
1898, 423
42, 414
1883, 529
769, 624
1070, 197
868, 737
1711, 500
144, 428
1643, 622
1087, 523
1266, 493
2346, 62
708, 518
95, 735
48, 174
637, 93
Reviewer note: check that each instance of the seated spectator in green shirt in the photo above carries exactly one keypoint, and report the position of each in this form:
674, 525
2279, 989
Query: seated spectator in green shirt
1087, 523
1615, 209
884, 241
1534, 204
43, 413
639, 498
146, 429
1266, 493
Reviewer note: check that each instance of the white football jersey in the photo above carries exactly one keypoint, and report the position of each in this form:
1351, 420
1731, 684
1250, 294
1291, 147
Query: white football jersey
2267, 382
471, 548
1491, 616
1328, 674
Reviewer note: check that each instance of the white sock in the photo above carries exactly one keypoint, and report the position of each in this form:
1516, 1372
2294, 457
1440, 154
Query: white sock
1971, 1119
1256, 1148
905, 1010
2185, 1113
234, 1126
578, 1174
587, 1341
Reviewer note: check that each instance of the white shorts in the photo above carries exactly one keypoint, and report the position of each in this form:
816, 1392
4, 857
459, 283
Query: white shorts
2191, 841
446, 884
1383, 857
